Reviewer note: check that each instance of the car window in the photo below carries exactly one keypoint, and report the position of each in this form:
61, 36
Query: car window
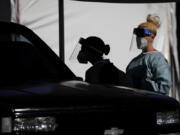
25, 57
10, 36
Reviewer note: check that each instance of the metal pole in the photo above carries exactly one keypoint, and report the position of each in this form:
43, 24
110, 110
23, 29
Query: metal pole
61, 29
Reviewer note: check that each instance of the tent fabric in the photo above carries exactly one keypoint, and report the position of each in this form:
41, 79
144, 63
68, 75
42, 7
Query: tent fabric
15, 13
172, 27
41, 16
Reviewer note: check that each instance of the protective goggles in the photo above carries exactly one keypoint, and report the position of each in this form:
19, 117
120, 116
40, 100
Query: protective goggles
142, 32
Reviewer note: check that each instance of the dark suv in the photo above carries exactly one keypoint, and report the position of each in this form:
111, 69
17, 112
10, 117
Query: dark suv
40, 95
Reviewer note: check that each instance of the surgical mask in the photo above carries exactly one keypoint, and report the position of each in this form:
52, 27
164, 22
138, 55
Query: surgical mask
141, 43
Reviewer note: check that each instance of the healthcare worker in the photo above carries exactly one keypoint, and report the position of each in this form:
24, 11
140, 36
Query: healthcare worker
102, 71
149, 70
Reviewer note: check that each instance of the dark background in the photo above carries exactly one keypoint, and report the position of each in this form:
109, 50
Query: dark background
5, 10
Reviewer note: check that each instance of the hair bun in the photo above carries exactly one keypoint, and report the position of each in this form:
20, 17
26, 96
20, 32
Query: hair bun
106, 49
155, 19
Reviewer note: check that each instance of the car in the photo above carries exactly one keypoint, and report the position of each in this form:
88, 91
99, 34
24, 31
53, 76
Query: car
40, 95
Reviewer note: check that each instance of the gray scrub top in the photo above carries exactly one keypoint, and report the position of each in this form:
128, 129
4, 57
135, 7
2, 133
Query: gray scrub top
150, 71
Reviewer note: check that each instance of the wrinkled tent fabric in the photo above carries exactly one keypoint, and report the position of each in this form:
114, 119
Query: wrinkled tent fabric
113, 22
175, 92
41, 16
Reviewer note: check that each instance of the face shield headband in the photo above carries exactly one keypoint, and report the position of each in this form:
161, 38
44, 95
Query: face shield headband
139, 32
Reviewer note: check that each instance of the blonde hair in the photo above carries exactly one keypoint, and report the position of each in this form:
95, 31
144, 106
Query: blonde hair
152, 23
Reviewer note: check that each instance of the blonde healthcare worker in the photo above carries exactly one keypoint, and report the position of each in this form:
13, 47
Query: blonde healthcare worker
150, 69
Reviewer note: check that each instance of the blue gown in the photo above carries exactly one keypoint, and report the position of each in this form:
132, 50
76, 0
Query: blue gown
150, 71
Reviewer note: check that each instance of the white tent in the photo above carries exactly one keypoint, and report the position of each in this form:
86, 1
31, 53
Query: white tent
41, 16
113, 22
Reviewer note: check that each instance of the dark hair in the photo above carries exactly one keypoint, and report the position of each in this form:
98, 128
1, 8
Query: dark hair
95, 44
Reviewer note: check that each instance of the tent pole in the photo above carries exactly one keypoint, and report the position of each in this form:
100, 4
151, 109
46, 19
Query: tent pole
178, 37
61, 29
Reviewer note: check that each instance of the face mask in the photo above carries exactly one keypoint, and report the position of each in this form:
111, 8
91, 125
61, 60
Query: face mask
82, 58
141, 43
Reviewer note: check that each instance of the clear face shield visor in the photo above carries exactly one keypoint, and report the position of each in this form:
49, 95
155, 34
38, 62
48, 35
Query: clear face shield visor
138, 41
76, 50
82, 45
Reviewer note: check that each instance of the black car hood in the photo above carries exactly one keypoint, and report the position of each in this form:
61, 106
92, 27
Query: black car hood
68, 93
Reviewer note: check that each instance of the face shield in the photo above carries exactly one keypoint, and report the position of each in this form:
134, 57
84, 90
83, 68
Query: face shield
83, 50
77, 49
138, 41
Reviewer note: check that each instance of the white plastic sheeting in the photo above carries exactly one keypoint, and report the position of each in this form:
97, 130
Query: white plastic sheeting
41, 16
114, 23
